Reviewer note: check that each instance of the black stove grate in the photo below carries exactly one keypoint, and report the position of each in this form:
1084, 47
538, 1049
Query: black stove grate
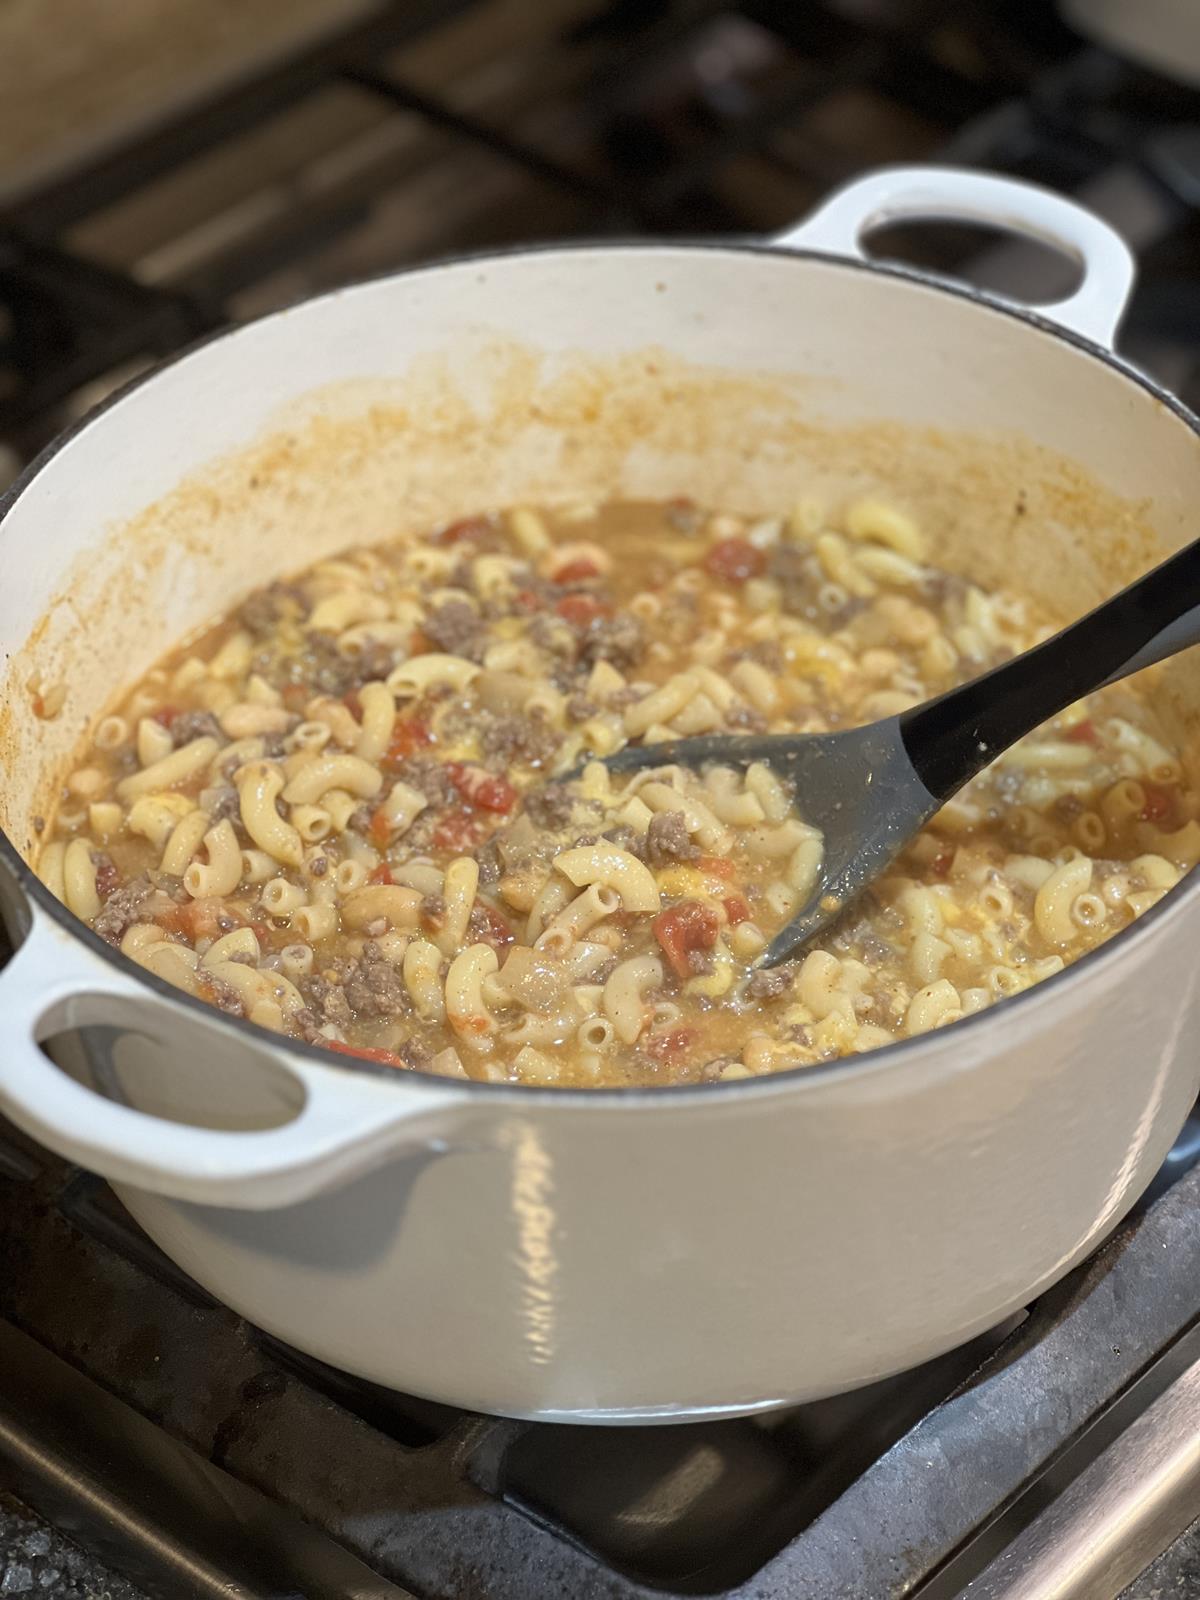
690, 116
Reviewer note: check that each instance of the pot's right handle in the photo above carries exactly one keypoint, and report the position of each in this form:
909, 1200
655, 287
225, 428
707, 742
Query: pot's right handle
347, 1123
956, 194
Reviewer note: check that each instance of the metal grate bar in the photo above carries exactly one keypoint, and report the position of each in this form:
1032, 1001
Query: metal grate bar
144, 1503
621, 207
159, 150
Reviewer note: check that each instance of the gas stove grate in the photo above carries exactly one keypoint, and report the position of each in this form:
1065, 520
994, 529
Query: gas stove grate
693, 116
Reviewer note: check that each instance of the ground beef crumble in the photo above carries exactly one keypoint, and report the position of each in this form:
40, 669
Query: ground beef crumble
262, 613
373, 986
550, 807
326, 669
765, 651
618, 640
226, 804
122, 909
792, 567
627, 838
189, 725
328, 1000
859, 937
428, 777
414, 1055
487, 858
554, 636
667, 839
107, 876
580, 707
458, 629
712, 1070
360, 818
226, 998
768, 983
433, 909
519, 738
305, 1023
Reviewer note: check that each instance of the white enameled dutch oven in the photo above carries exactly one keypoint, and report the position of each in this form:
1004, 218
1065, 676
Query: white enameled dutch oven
611, 1255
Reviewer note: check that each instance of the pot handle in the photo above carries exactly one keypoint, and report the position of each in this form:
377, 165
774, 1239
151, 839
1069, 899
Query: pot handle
347, 1121
956, 194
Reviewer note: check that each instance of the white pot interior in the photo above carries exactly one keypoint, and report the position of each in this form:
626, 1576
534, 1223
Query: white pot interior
742, 378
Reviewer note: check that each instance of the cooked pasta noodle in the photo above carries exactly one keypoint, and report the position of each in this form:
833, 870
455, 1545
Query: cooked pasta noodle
365, 811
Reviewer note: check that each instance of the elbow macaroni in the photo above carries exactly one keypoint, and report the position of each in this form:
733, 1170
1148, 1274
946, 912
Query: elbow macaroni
351, 814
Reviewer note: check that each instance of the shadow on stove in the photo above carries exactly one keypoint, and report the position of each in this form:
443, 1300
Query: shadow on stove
701, 1508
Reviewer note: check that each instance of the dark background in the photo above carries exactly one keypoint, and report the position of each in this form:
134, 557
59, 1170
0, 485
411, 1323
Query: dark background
169, 165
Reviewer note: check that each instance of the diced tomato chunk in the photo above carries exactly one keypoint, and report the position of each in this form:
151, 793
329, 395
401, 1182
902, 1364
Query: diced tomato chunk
489, 927
457, 830
200, 919
409, 734
352, 703
1160, 802
683, 928
580, 609
735, 560
737, 908
940, 865
671, 1044
494, 794
715, 866
527, 600
380, 829
107, 879
466, 528
483, 790
387, 1058
577, 571
382, 873
165, 715
1082, 732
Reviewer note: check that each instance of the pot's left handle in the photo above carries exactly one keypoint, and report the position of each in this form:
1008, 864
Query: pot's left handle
348, 1121
956, 194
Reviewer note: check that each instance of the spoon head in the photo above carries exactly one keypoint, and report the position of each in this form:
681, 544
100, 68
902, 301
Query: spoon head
859, 788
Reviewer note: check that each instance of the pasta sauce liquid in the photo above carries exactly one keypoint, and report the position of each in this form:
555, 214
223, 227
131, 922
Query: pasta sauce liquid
342, 812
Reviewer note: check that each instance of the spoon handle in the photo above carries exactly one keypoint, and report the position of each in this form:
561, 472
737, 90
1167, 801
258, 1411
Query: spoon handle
952, 738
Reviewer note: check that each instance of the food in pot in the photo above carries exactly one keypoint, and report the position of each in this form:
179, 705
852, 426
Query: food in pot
344, 812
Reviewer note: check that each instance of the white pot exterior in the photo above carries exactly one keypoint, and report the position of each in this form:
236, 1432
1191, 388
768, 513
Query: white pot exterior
617, 1255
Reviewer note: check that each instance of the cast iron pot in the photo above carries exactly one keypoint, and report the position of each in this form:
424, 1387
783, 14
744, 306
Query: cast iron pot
635, 1254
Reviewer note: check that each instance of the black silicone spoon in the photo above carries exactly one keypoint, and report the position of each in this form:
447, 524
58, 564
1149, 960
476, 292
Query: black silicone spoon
872, 788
